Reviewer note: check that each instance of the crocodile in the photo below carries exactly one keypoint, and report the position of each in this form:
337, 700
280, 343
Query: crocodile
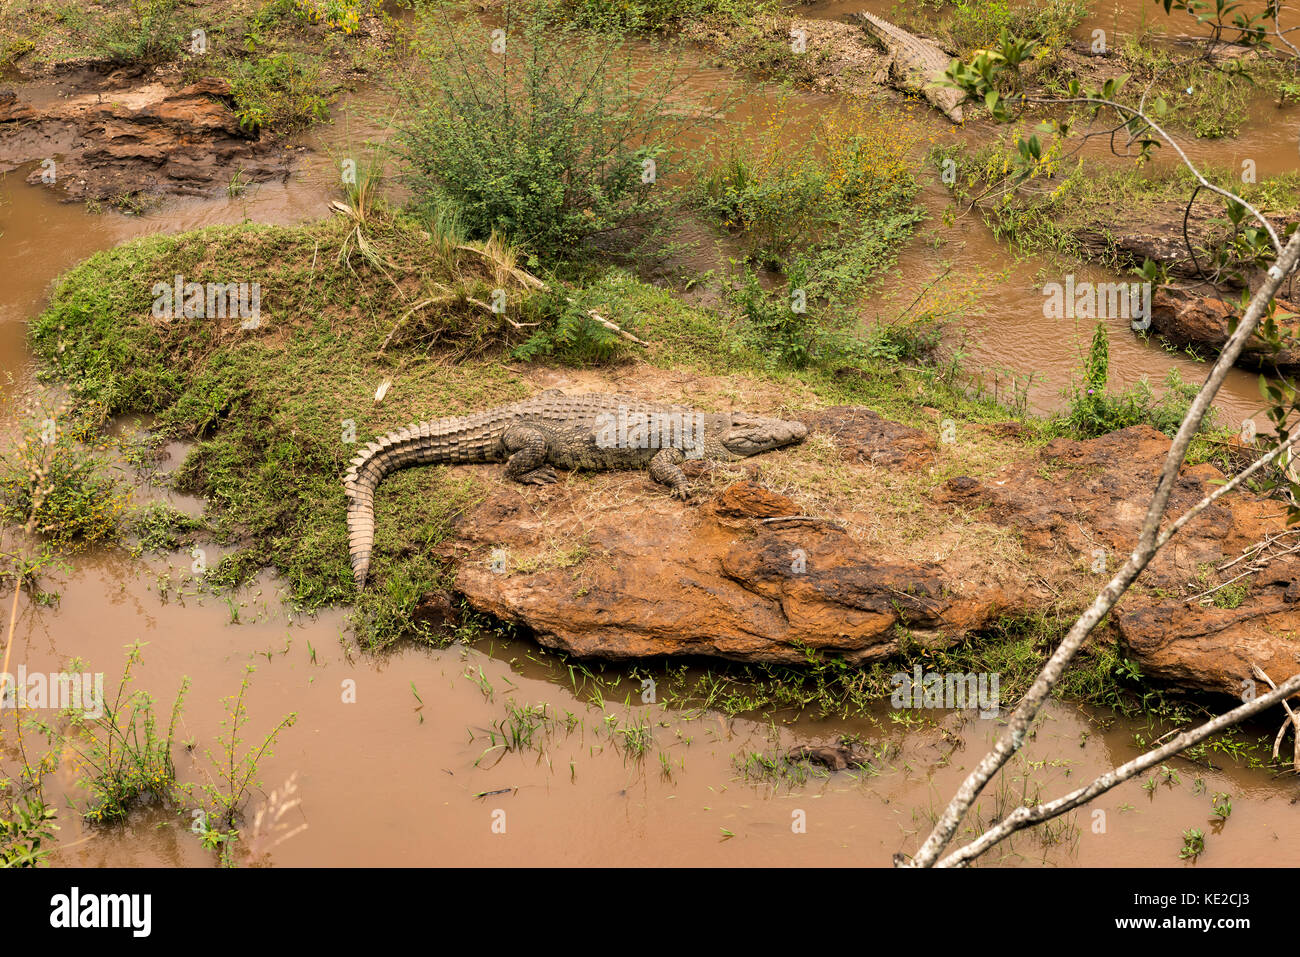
915, 64
601, 431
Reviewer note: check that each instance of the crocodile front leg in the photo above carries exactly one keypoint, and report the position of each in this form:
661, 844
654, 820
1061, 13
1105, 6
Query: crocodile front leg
527, 463
665, 468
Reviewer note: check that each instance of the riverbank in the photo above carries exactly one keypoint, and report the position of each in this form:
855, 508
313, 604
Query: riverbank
940, 514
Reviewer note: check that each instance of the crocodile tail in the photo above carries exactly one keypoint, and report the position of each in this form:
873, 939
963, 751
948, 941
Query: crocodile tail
399, 448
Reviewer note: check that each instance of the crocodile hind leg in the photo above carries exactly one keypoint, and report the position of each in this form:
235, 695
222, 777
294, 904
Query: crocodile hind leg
527, 462
666, 469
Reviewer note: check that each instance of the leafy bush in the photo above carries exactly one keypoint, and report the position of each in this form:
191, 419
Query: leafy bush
146, 31
658, 15
160, 526
51, 479
834, 205
342, 15
567, 329
283, 91
788, 334
799, 337
551, 139
25, 828
126, 760
1093, 411
977, 24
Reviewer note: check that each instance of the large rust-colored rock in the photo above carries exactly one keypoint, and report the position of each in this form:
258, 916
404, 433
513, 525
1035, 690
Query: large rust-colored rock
1186, 318
667, 579
621, 570
1079, 502
1214, 648
108, 142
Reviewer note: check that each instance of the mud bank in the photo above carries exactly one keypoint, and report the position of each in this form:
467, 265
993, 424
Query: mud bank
116, 137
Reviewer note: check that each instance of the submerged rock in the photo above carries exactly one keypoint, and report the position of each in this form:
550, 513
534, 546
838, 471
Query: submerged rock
834, 757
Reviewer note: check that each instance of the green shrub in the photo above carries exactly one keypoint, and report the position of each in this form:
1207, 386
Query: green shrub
1094, 411
145, 31
160, 526
26, 827
567, 329
51, 478
835, 204
658, 15
977, 24
280, 91
342, 15
787, 334
552, 142
125, 760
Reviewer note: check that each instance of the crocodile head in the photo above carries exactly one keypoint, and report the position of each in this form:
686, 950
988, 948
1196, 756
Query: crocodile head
742, 435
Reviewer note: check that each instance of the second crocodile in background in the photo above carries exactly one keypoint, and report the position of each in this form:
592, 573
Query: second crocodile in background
552, 430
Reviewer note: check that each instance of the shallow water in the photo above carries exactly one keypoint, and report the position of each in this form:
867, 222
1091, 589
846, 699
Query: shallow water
394, 780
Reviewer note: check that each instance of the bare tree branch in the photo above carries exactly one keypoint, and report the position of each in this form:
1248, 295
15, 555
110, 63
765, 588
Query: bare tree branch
1023, 817
1149, 543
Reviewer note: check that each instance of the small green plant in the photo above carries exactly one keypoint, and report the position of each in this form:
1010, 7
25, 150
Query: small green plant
566, 329
25, 831
54, 478
1193, 844
839, 201
1221, 805
125, 760
142, 31
779, 322
227, 785
659, 15
1231, 595
977, 24
521, 729
282, 92
160, 526
1093, 410
635, 739
342, 15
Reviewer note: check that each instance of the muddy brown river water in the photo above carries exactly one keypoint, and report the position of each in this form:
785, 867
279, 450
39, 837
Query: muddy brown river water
393, 755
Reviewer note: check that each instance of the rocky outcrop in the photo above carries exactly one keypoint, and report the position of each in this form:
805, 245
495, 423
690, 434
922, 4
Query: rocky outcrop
1186, 318
751, 500
625, 571
863, 436
1081, 504
116, 141
666, 579
1116, 235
